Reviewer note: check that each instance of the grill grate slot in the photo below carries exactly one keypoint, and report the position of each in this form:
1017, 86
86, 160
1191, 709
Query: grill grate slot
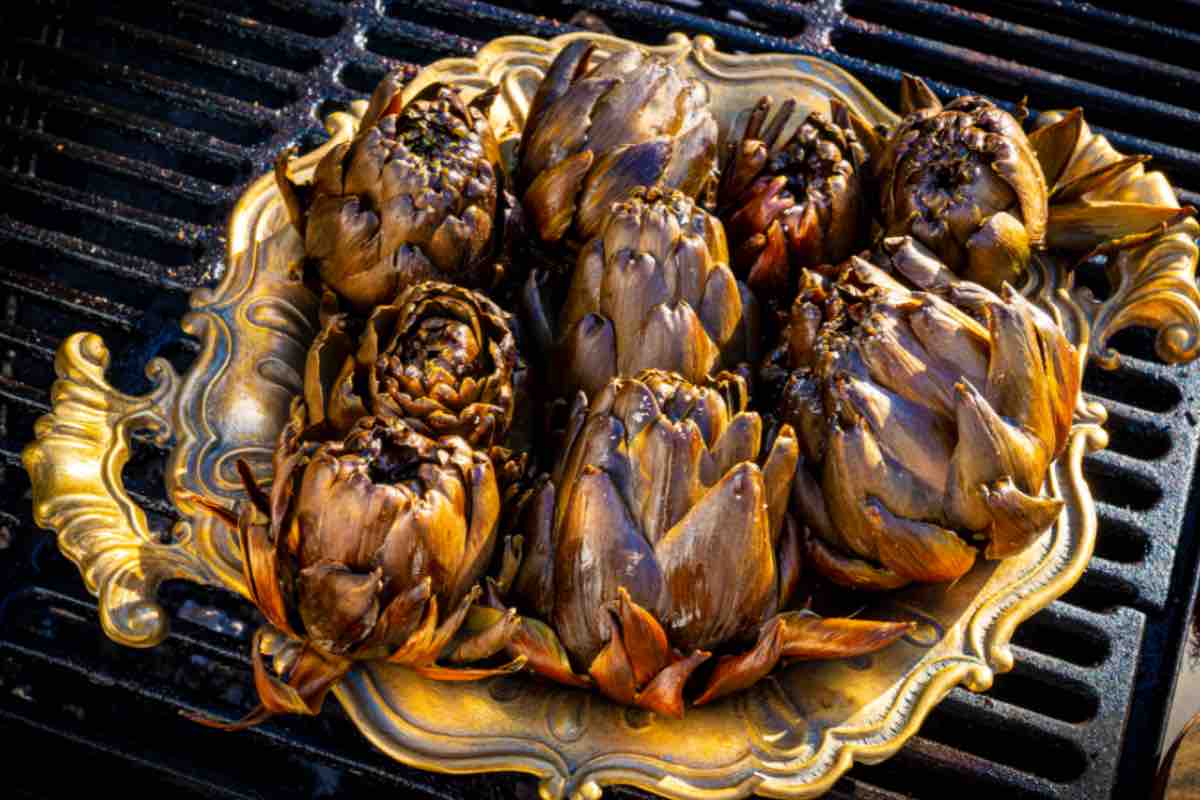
1119, 541
228, 33
1011, 82
1049, 692
361, 78
132, 135
138, 91
180, 60
1141, 74
134, 183
631, 18
1064, 633
1132, 387
50, 306
315, 20
409, 42
1138, 436
1115, 487
69, 249
1098, 26
1179, 14
488, 21
43, 204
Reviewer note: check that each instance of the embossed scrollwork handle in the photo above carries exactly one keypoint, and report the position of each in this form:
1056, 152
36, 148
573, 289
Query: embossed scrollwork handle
81, 446
75, 464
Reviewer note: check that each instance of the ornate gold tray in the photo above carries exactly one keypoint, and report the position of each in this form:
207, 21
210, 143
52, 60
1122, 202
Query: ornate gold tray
791, 736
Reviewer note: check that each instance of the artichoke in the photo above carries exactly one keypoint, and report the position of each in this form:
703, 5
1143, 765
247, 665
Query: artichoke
927, 418
794, 204
661, 539
595, 133
440, 357
964, 180
653, 290
412, 197
368, 547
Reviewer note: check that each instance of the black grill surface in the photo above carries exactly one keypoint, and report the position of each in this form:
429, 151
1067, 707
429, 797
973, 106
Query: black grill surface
127, 131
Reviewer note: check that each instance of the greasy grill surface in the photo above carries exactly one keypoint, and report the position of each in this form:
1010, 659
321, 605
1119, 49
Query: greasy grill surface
128, 130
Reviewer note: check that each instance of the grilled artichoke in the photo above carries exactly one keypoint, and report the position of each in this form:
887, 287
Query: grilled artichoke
965, 181
442, 358
368, 547
794, 204
927, 419
653, 290
412, 197
661, 539
595, 133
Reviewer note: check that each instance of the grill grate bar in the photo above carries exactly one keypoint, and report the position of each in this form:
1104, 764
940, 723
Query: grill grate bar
1067, 51
1131, 414
80, 304
1115, 574
14, 391
998, 714
405, 40
1119, 463
113, 261
82, 608
294, 51
488, 21
168, 237
82, 613
1040, 85
312, 19
199, 193
140, 127
175, 92
1126, 516
924, 763
131, 758
241, 68
1120, 27
32, 341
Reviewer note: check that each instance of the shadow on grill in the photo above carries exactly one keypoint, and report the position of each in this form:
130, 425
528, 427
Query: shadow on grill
1054, 633
1128, 385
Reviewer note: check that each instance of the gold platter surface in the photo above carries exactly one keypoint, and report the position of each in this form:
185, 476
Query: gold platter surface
793, 734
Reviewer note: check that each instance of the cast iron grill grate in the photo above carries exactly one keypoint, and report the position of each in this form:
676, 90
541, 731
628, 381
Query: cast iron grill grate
126, 133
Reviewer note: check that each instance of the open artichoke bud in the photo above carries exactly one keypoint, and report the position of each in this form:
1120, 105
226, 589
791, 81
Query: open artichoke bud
595, 132
928, 419
662, 539
412, 197
794, 204
964, 180
368, 548
653, 290
440, 357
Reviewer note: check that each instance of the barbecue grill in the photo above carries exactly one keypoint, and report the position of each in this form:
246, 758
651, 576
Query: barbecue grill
128, 133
